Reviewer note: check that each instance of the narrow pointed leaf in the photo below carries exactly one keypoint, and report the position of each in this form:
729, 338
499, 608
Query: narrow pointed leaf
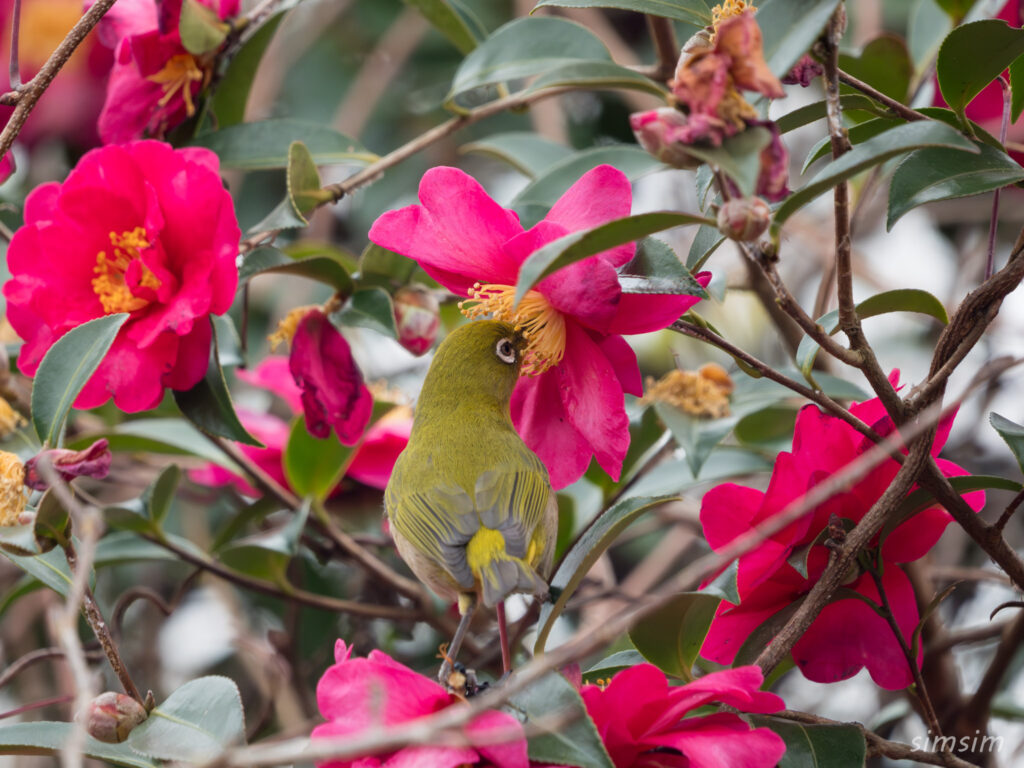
1012, 433
694, 12
265, 144
446, 20
323, 269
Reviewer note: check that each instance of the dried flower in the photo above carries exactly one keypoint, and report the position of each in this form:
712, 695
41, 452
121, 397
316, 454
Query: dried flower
704, 393
10, 419
13, 493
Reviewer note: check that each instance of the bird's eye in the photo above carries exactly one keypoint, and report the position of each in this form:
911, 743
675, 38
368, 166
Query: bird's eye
506, 351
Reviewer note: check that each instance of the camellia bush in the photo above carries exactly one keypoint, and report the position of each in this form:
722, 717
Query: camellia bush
760, 256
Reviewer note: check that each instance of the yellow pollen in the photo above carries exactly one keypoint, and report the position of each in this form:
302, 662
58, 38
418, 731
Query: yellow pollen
178, 75
728, 9
10, 419
13, 493
541, 325
115, 295
704, 393
289, 324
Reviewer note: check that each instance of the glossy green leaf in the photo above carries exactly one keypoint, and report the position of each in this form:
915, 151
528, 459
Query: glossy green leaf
944, 174
705, 243
596, 75
972, 56
898, 141
956, 9
575, 742
194, 724
647, 437
927, 28
119, 547
883, 63
767, 426
50, 569
857, 134
19, 540
265, 144
1012, 433
789, 28
609, 665
817, 746
523, 48
379, 267
313, 466
446, 20
1016, 89
739, 157
66, 368
544, 191
585, 552
694, 12
323, 269
848, 102
266, 555
52, 524
147, 513
579, 245
48, 738
527, 152
724, 584
231, 94
200, 28
696, 436
899, 300
303, 179
368, 308
208, 404
671, 637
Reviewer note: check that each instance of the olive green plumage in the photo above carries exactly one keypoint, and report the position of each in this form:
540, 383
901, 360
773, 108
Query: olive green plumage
471, 507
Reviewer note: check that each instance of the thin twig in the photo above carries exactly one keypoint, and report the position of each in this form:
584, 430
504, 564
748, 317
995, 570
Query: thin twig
900, 110
994, 220
663, 35
33, 657
15, 33
1004, 518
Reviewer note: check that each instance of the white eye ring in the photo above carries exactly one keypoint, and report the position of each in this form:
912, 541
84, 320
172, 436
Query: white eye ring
506, 351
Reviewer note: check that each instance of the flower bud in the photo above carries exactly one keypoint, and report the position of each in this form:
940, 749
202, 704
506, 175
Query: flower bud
417, 318
112, 716
744, 219
803, 72
664, 133
93, 461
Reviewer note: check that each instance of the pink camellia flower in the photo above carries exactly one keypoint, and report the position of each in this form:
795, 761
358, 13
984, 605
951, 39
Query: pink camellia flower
371, 465
6, 167
333, 392
154, 81
848, 634
645, 723
569, 406
140, 228
356, 695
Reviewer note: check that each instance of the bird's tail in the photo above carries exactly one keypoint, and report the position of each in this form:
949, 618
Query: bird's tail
499, 573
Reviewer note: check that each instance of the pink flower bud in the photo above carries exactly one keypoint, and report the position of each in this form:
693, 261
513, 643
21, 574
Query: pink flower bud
664, 133
94, 461
803, 72
417, 318
744, 219
112, 716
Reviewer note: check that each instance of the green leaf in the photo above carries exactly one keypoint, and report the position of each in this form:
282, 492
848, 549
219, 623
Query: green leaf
899, 300
526, 151
596, 75
379, 267
267, 555
694, 12
523, 48
972, 56
585, 551
848, 102
899, 140
956, 9
724, 584
231, 94
65, 369
49, 738
1012, 433
739, 157
609, 665
266, 144
169, 436
545, 190
448, 22
304, 192
52, 524
789, 28
767, 426
883, 63
579, 245
695, 435
126, 547
368, 308
200, 28
323, 269
927, 27
671, 637
194, 724
208, 404
1016, 88
146, 514
817, 746
574, 743
858, 134
705, 243
943, 174
313, 466
50, 569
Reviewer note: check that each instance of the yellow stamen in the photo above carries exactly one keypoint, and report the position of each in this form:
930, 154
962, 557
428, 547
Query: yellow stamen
542, 325
13, 493
178, 74
289, 324
728, 9
704, 393
114, 294
10, 419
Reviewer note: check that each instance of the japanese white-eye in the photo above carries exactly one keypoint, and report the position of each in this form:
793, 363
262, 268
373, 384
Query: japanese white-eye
471, 507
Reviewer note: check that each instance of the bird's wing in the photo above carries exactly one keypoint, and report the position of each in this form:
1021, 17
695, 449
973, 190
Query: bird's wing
513, 501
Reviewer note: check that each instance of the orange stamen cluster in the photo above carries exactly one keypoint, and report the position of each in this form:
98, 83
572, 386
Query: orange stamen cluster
727, 10
178, 75
288, 326
541, 324
109, 284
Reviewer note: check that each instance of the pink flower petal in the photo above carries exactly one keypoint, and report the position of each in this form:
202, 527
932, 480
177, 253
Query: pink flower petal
646, 312
727, 511
498, 737
273, 374
601, 195
623, 360
541, 420
723, 741
375, 460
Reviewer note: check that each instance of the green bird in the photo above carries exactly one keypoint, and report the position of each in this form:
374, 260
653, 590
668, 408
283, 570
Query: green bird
470, 506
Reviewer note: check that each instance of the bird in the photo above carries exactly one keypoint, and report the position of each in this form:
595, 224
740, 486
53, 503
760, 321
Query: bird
469, 505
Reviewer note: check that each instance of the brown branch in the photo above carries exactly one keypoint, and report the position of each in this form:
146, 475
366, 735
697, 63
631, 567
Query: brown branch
898, 109
1004, 518
663, 35
969, 636
24, 99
